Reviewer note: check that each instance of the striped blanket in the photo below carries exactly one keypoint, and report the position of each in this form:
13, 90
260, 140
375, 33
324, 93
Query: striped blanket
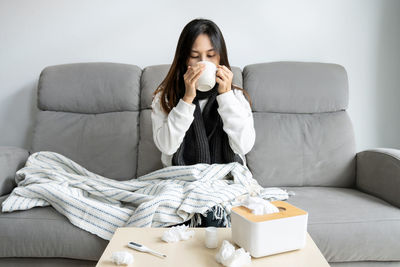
100, 205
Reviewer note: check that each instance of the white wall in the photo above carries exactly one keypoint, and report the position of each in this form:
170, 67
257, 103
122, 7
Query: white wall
361, 35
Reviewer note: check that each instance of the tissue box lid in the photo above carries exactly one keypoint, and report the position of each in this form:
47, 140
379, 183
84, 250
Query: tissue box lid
285, 210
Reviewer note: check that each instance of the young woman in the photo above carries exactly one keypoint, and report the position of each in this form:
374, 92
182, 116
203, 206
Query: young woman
190, 126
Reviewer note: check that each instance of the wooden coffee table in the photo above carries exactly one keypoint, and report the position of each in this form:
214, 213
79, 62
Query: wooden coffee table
193, 252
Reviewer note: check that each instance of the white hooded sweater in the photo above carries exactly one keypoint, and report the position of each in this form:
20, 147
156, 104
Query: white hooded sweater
235, 111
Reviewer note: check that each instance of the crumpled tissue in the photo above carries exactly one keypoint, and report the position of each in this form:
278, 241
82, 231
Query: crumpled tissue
122, 258
228, 256
177, 233
275, 193
259, 206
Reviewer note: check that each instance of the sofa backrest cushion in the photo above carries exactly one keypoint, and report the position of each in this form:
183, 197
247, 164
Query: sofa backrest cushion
304, 136
89, 112
297, 87
89, 88
149, 157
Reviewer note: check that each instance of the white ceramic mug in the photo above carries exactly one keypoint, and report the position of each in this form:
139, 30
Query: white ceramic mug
206, 80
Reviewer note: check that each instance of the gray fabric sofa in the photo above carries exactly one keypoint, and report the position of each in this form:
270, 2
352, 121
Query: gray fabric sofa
98, 114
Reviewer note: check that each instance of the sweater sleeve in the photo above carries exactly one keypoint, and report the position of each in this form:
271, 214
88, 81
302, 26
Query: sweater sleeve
169, 130
236, 115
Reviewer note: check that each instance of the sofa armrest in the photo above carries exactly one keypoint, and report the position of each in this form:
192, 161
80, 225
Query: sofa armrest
378, 173
11, 160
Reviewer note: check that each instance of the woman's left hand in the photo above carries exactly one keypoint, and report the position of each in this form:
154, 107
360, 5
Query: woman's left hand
224, 79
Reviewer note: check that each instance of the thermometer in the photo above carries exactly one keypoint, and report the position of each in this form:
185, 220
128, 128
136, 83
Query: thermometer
142, 248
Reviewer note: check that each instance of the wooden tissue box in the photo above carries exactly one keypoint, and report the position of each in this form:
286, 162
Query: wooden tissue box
263, 235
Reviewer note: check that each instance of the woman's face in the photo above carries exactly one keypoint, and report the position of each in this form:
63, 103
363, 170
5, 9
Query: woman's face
203, 49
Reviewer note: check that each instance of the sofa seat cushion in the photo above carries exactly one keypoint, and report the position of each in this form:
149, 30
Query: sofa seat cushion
43, 232
348, 225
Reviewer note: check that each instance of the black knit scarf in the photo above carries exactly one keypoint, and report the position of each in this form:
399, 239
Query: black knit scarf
205, 141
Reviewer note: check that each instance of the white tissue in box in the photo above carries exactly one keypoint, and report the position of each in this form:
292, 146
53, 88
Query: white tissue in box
263, 235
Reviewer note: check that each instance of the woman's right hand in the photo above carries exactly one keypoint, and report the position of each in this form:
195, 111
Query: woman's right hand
190, 77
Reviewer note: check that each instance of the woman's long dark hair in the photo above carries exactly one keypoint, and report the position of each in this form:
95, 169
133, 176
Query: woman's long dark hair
173, 86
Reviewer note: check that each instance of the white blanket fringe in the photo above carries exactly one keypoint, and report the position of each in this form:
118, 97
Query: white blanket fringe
100, 205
